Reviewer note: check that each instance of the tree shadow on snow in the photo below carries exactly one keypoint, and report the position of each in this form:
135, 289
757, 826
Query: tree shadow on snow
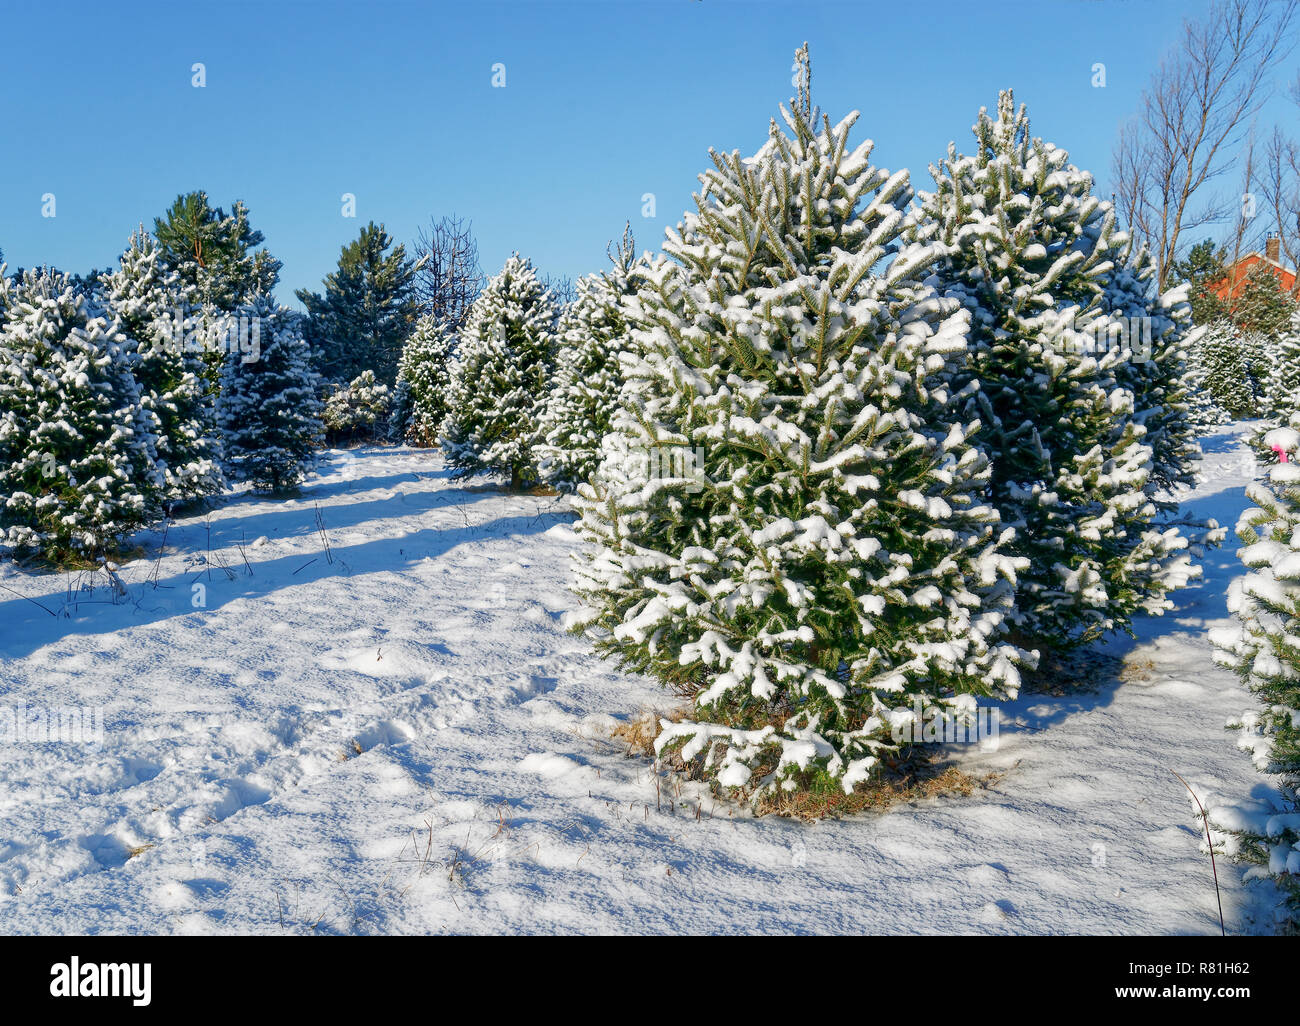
299, 520
1195, 608
26, 628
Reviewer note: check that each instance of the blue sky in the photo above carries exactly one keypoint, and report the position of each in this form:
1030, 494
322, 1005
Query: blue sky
604, 101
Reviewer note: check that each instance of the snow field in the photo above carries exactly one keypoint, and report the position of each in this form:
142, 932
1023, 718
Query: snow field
405, 740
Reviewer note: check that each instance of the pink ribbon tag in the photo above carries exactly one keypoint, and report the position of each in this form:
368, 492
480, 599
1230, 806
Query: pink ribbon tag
1281, 454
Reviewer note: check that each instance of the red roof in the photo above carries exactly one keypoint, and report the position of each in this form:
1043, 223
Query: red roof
1229, 287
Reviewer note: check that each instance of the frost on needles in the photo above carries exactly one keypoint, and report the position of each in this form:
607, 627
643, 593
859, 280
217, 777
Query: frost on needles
823, 560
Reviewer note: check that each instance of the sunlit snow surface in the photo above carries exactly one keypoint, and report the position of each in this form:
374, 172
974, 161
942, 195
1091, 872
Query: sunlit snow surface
405, 740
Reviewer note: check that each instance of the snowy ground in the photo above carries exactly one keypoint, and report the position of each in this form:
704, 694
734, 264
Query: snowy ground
404, 740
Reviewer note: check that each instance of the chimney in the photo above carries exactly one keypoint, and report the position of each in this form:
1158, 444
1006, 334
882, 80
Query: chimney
1273, 248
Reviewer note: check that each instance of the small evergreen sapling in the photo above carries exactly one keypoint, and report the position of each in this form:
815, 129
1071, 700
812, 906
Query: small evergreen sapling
355, 410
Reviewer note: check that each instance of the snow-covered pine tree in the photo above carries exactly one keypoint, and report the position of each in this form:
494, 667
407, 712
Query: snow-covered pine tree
423, 382
355, 410
787, 522
152, 310
1264, 649
269, 409
77, 459
1030, 252
1224, 363
593, 333
500, 377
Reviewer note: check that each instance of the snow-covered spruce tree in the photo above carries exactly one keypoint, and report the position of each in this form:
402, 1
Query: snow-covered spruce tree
423, 382
1282, 396
77, 458
500, 377
355, 410
820, 559
593, 334
152, 310
1154, 330
1029, 251
1224, 364
269, 408
1258, 354
1264, 648
1204, 410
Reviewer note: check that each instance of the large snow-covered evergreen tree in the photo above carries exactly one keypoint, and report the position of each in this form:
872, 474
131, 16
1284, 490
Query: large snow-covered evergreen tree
1031, 252
500, 377
153, 310
787, 521
269, 408
593, 334
423, 382
1264, 648
77, 457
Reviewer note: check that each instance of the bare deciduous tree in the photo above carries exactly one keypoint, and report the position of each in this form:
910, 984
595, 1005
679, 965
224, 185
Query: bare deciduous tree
1279, 188
1248, 209
449, 276
1190, 118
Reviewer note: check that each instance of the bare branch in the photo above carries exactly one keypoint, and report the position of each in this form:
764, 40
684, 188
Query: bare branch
1192, 116
450, 276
